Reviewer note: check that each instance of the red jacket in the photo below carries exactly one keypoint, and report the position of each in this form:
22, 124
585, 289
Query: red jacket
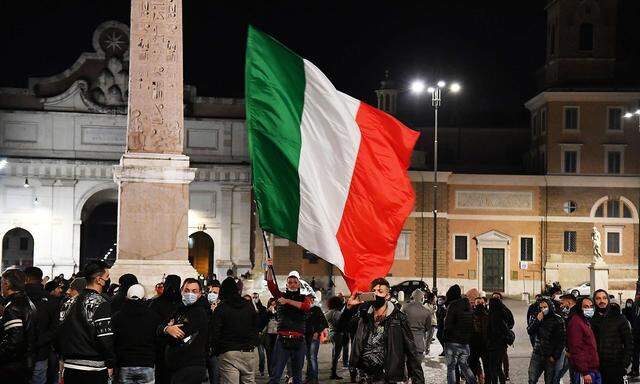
582, 345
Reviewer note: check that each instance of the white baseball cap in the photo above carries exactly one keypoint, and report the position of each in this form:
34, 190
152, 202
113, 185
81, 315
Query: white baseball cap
294, 274
135, 292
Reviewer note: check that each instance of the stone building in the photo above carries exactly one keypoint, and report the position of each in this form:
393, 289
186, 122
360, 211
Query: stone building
60, 139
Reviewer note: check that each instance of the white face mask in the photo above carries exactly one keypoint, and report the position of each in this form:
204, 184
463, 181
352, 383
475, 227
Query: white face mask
189, 298
589, 312
545, 311
212, 297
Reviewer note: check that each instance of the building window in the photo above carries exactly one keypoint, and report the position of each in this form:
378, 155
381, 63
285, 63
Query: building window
626, 212
570, 162
613, 208
570, 241
526, 249
543, 122
600, 211
571, 118
570, 206
460, 247
586, 37
614, 162
614, 119
402, 248
614, 241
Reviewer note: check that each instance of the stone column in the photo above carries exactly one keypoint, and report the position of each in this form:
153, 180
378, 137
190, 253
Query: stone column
154, 174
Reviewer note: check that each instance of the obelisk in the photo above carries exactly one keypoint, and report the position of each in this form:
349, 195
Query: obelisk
153, 175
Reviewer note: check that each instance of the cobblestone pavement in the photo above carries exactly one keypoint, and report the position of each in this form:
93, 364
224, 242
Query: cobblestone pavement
434, 367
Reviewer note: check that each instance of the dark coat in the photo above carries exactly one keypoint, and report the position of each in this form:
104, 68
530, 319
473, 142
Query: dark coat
399, 348
613, 338
315, 323
47, 316
497, 327
479, 331
134, 328
550, 334
458, 322
581, 344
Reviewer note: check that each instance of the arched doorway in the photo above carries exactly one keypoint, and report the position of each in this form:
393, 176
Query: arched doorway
17, 249
201, 253
99, 229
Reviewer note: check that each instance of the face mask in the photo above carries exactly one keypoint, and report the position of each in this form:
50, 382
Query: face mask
212, 297
480, 307
189, 298
106, 285
589, 312
380, 301
440, 302
256, 300
565, 310
628, 305
545, 311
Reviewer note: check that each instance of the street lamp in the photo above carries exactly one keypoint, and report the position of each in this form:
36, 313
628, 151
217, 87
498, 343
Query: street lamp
418, 87
628, 116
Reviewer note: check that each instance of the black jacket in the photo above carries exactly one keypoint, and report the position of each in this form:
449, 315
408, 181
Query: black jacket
47, 314
192, 349
613, 338
85, 333
399, 347
458, 323
316, 322
134, 327
18, 335
234, 326
479, 330
550, 334
497, 327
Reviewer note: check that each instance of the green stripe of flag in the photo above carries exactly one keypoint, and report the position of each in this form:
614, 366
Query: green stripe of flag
274, 92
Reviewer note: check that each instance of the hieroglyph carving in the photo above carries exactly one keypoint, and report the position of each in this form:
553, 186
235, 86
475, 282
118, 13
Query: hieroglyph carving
155, 102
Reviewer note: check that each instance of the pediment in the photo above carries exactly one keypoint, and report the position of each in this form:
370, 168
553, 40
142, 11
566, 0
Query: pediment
493, 236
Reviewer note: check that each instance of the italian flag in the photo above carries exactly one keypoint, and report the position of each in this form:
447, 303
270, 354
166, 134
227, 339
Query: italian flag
329, 171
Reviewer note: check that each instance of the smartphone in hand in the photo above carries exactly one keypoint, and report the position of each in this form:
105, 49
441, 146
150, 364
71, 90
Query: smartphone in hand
367, 296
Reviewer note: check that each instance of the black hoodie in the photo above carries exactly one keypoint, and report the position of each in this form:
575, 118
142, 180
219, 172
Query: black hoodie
549, 332
458, 323
125, 281
134, 327
235, 320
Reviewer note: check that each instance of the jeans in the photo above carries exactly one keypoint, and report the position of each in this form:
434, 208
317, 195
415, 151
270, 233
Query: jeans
280, 357
312, 359
237, 367
345, 349
493, 372
213, 368
270, 344
561, 368
539, 365
261, 358
458, 355
40, 372
136, 375
335, 352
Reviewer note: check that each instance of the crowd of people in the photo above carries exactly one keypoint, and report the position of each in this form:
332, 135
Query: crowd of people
88, 330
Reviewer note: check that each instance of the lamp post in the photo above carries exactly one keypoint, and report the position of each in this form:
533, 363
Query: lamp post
418, 87
628, 116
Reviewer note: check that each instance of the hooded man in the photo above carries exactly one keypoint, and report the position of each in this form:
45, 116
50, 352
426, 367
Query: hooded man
419, 319
291, 310
234, 335
613, 339
548, 328
125, 281
458, 325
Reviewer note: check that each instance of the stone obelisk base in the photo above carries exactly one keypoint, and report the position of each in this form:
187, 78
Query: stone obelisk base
599, 274
153, 205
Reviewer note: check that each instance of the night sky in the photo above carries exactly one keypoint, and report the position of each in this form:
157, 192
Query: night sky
492, 48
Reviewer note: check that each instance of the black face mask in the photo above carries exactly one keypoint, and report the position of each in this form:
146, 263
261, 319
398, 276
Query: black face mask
379, 303
479, 307
106, 285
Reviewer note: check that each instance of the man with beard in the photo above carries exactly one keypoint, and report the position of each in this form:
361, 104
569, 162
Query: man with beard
291, 310
613, 339
383, 342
